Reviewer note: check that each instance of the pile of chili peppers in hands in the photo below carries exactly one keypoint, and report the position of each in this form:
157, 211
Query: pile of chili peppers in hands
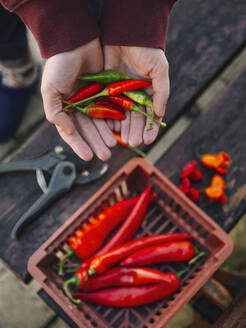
216, 191
109, 94
114, 273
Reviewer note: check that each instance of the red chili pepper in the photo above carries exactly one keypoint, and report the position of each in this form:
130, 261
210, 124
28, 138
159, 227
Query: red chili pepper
101, 111
219, 162
128, 104
107, 247
109, 103
89, 238
120, 276
136, 150
123, 101
130, 226
120, 87
196, 175
84, 92
78, 280
115, 89
184, 186
223, 199
116, 276
216, 191
132, 296
108, 76
188, 169
173, 251
105, 261
194, 195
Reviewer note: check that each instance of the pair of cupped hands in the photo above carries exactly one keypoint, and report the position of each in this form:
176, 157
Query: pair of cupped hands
83, 134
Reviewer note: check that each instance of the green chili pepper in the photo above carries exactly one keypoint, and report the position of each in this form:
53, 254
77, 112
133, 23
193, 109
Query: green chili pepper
106, 77
144, 99
139, 97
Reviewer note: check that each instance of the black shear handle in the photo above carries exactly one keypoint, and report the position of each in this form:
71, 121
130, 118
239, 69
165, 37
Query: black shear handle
61, 181
44, 162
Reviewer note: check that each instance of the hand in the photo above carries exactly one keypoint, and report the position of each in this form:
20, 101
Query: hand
59, 81
147, 63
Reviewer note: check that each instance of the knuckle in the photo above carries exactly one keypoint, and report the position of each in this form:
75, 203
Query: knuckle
44, 88
165, 65
50, 117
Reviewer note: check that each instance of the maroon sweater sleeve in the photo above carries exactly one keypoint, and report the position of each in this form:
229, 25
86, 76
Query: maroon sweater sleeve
140, 23
57, 25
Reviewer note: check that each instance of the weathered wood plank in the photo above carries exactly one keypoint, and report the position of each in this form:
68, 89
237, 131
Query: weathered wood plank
220, 128
19, 190
235, 315
203, 36
207, 35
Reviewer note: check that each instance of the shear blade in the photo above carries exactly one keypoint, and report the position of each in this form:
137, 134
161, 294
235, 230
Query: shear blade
87, 176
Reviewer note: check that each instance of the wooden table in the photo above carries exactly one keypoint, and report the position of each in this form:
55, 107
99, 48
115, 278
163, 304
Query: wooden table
204, 36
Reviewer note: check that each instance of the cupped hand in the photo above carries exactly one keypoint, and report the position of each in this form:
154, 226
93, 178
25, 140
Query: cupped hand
146, 63
84, 135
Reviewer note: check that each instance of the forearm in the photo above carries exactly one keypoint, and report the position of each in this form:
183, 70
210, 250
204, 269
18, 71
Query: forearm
57, 25
142, 23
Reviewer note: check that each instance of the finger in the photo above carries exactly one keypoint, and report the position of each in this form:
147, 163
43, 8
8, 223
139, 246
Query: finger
161, 86
136, 129
105, 132
110, 124
125, 127
117, 125
77, 144
53, 111
149, 136
92, 136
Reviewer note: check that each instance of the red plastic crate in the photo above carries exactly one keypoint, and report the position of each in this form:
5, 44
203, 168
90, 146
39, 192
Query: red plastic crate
171, 212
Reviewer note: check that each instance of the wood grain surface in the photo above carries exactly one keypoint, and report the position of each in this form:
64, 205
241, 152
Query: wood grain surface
220, 128
203, 37
235, 315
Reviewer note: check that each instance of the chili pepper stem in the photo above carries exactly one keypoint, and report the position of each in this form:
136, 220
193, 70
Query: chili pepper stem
196, 258
62, 261
84, 110
182, 272
196, 250
91, 271
72, 281
137, 109
72, 270
138, 151
85, 281
104, 92
198, 154
192, 261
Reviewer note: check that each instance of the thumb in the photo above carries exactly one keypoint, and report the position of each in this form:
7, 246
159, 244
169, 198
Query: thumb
53, 110
161, 89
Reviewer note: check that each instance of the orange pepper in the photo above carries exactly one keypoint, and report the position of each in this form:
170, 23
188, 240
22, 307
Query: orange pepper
122, 143
216, 191
219, 162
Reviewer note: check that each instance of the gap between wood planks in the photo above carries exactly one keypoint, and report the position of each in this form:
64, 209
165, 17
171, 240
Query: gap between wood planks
209, 95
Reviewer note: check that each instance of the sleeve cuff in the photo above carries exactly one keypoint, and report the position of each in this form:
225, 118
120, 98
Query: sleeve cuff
59, 25
141, 23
